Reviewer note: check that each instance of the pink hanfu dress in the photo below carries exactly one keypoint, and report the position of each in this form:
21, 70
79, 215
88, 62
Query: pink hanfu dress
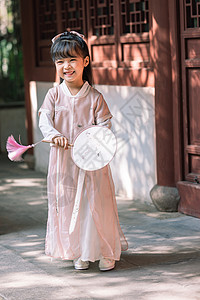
97, 231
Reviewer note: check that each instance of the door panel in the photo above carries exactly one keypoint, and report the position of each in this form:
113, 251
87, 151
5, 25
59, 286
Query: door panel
190, 63
193, 100
189, 188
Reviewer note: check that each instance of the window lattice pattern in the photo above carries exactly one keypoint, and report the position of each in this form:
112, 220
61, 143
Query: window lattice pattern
135, 16
46, 19
102, 17
72, 15
192, 8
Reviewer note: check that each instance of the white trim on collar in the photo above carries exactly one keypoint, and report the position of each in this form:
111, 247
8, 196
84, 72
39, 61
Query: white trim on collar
83, 91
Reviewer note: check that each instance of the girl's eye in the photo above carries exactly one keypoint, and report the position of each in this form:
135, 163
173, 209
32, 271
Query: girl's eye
59, 62
73, 59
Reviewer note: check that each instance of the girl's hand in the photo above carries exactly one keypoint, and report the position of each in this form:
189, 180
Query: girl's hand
61, 141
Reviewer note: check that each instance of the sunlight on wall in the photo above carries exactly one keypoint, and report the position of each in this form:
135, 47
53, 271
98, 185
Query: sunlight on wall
134, 166
38, 91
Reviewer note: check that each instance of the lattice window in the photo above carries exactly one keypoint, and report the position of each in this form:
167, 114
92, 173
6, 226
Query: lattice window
117, 30
46, 19
102, 17
135, 16
192, 15
72, 15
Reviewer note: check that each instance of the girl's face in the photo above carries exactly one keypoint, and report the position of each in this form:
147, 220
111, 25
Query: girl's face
71, 68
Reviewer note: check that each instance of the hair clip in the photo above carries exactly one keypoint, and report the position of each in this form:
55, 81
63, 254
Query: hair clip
67, 33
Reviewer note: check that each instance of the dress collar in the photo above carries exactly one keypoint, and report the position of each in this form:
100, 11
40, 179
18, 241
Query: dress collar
83, 91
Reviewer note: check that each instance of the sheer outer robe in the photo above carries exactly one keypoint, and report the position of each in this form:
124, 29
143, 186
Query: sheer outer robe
65, 114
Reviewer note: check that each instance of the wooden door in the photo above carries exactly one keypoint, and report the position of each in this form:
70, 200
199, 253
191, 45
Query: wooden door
189, 188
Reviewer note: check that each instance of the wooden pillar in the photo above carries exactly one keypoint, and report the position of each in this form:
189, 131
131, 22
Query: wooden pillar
164, 194
161, 57
28, 57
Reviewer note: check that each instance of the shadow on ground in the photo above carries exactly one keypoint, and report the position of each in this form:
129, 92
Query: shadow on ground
23, 202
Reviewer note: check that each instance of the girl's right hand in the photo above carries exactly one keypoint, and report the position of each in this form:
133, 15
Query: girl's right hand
61, 141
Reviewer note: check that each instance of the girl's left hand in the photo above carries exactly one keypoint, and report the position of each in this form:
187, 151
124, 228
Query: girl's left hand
61, 141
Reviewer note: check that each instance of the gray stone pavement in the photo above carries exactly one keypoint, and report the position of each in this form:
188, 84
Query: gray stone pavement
162, 263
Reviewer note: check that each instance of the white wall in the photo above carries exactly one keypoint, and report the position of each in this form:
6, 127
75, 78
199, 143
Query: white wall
38, 91
134, 165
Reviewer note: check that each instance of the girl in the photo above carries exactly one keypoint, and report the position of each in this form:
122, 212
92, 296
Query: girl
66, 110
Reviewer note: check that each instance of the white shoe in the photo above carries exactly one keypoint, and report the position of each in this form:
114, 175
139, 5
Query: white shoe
106, 264
81, 265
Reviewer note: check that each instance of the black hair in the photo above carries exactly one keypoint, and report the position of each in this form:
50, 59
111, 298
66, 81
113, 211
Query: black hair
66, 45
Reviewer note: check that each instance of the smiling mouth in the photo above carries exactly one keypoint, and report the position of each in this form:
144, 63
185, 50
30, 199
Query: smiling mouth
69, 73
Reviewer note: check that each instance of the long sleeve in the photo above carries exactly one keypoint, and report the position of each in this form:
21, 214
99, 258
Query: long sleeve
46, 115
46, 126
102, 112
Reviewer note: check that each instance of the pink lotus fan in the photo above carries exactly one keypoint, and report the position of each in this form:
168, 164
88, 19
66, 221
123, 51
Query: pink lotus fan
16, 150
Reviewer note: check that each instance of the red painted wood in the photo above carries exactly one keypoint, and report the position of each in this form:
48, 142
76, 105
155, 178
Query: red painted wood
110, 46
28, 60
176, 89
124, 77
161, 56
190, 198
190, 41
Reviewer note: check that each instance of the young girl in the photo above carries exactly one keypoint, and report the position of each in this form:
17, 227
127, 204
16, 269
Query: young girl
67, 109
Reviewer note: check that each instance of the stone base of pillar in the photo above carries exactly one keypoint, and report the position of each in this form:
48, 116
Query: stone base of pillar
165, 198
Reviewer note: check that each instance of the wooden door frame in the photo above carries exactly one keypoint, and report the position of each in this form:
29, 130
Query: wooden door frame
189, 191
187, 176
175, 42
